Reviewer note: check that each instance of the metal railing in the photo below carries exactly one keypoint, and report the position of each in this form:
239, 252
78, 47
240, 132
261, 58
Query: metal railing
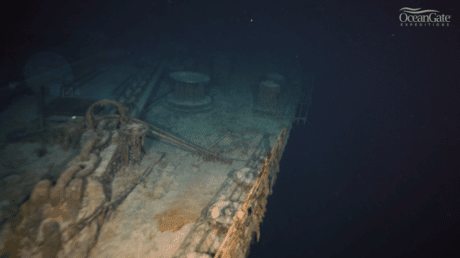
248, 218
305, 100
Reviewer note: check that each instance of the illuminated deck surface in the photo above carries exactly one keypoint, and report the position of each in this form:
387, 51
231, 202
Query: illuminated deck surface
161, 212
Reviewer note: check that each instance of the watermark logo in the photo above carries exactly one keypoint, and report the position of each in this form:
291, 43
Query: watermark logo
415, 17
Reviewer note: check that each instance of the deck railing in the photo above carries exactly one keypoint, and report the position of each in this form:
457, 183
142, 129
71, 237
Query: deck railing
247, 220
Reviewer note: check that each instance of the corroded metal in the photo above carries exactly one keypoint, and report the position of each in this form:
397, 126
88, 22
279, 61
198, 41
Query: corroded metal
248, 218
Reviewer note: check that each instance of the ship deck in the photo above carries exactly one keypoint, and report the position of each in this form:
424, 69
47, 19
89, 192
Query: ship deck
193, 173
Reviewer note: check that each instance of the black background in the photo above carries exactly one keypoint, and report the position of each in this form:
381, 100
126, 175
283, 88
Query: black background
374, 172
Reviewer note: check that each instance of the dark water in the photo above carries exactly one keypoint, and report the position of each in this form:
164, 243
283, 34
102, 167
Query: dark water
373, 172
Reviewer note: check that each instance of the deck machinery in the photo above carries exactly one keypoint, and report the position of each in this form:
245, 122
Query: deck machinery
138, 177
